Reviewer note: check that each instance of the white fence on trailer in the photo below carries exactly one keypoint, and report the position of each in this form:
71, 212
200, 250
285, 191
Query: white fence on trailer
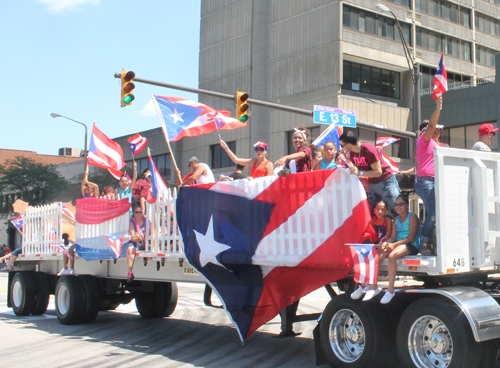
42, 229
164, 236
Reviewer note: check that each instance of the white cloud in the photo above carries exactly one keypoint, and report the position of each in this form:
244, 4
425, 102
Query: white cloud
148, 110
56, 6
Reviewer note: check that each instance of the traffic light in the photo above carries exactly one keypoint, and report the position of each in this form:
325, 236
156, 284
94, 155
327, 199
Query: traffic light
127, 87
242, 106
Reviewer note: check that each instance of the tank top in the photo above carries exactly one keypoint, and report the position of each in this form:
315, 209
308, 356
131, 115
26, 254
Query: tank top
323, 165
205, 179
259, 171
403, 230
381, 229
140, 229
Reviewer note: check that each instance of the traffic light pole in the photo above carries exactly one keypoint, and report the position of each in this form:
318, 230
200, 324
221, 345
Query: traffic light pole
271, 105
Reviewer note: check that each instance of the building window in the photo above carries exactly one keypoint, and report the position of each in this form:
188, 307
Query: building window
485, 56
445, 10
436, 42
163, 164
371, 80
464, 137
374, 24
219, 156
487, 24
314, 133
427, 76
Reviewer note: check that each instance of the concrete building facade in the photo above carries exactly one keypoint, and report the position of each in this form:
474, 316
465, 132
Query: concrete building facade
345, 54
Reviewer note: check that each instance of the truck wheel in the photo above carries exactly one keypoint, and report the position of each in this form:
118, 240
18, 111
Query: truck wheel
42, 282
170, 298
23, 293
160, 303
355, 334
433, 332
70, 300
92, 298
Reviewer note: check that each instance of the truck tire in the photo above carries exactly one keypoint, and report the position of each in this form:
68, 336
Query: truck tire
160, 303
42, 282
170, 298
433, 332
23, 293
70, 300
92, 298
354, 334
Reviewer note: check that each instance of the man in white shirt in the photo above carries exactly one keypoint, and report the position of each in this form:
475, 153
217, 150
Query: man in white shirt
486, 137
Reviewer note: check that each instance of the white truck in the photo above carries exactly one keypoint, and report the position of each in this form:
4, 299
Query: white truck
451, 319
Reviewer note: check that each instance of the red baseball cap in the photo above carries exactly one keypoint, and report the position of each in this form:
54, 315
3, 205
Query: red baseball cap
486, 128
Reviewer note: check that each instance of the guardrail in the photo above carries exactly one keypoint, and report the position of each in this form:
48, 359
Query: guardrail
461, 85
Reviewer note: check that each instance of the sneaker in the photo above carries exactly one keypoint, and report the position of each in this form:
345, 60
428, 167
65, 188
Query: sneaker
64, 271
130, 277
370, 294
387, 297
71, 271
360, 291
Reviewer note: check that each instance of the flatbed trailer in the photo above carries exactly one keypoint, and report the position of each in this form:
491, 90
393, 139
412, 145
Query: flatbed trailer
451, 320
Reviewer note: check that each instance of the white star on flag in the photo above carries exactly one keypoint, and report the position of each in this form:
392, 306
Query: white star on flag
209, 248
177, 116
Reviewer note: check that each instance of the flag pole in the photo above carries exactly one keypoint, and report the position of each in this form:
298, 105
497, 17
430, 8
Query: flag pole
164, 128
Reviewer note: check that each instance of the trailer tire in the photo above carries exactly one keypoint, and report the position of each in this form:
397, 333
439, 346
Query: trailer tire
434, 332
160, 303
23, 293
70, 299
170, 298
42, 282
353, 334
92, 298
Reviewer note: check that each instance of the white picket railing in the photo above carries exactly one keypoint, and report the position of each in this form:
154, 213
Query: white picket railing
162, 233
42, 229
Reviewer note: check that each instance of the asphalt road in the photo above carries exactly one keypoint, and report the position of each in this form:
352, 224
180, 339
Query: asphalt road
194, 336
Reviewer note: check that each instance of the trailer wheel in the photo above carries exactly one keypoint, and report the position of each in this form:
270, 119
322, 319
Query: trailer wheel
433, 332
42, 282
170, 298
160, 303
70, 300
354, 334
23, 293
92, 298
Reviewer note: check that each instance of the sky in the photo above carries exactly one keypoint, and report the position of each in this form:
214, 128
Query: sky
60, 56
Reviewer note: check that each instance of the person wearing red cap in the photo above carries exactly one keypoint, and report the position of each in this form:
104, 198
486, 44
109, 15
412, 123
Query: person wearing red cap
486, 137
260, 166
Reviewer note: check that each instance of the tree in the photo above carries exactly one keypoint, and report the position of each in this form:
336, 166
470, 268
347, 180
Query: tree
30, 181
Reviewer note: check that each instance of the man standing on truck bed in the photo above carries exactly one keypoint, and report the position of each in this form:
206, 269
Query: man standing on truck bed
367, 163
425, 185
486, 137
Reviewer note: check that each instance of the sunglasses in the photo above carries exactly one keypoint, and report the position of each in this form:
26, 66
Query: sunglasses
137, 211
343, 145
259, 149
400, 204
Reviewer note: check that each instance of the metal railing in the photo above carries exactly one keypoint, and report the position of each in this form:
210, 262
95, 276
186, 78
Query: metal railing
461, 85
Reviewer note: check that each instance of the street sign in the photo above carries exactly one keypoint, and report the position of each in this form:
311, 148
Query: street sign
331, 115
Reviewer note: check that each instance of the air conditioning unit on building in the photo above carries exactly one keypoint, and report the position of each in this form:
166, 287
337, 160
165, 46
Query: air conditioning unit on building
73, 152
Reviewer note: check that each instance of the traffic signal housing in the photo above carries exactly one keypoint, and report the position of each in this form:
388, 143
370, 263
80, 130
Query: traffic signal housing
242, 106
127, 86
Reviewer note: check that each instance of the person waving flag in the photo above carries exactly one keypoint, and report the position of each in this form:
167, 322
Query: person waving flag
440, 80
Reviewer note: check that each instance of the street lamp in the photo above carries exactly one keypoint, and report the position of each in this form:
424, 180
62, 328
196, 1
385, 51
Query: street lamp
86, 129
414, 70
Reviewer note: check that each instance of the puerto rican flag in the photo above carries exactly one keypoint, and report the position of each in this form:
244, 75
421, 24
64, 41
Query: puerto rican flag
365, 258
383, 142
181, 118
440, 80
116, 243
332, 133
105, 153
159, 189
264, 244
137, 143
18, 222
62, 248
67, 212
